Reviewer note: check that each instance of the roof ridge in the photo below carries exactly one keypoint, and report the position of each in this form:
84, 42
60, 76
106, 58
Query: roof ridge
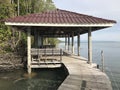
85, 15
72, 12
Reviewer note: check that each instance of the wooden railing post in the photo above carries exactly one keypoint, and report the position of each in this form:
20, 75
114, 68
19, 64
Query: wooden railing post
102, 59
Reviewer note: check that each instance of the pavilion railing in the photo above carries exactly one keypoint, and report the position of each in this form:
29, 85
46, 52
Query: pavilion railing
45, 54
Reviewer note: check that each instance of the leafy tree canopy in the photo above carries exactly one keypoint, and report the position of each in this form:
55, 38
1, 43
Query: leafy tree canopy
9, 39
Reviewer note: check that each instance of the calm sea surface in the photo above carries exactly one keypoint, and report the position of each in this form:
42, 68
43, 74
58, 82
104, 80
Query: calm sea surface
42, 79
50, 79
111, 57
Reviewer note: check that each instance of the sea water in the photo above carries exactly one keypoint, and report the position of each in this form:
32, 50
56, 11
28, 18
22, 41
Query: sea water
43, 79
111, 52
50, 79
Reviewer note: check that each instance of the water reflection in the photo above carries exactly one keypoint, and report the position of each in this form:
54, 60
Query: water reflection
111, 55
45, 79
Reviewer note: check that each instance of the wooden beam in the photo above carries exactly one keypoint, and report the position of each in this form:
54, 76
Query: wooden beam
29, 50
89, 46
59, 25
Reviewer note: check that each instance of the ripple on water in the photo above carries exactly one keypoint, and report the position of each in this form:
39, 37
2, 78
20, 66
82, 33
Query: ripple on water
40, 79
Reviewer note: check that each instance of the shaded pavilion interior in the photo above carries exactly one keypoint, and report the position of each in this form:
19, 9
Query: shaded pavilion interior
58, 23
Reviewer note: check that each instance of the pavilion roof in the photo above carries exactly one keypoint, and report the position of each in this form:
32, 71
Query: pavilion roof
59, 23
58, 17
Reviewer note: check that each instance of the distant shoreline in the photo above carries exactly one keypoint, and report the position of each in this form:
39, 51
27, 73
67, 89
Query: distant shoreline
95, 41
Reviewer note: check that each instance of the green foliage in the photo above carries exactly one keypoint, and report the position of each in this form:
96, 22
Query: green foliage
21, 46
9, 39
6, 11
33, 6
51, 41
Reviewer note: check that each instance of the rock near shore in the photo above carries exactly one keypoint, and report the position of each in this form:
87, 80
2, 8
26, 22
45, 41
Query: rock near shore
10, 62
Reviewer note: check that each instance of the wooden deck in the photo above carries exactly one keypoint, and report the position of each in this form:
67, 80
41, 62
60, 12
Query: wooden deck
83, 76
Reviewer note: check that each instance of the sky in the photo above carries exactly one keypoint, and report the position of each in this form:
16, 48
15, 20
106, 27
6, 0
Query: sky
108, 9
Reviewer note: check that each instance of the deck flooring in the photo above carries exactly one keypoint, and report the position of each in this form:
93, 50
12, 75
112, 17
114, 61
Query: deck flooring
83, 76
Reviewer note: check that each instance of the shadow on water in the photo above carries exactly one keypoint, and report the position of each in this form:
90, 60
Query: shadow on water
43, 79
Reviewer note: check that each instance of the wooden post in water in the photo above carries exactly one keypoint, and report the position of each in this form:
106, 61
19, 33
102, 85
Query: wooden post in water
29, 50
89, 46
102, 59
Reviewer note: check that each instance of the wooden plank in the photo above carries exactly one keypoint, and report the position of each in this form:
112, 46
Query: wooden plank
46, 66
47, 61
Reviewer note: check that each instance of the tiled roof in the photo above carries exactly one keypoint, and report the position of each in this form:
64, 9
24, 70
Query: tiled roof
59, 17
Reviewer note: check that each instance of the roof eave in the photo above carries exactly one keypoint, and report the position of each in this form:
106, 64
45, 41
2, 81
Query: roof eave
59, 25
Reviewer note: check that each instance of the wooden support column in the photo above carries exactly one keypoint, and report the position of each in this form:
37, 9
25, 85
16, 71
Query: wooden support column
29, 50
89, 46
69, 42
73, 42
38, 40
35, 39
65, 43
78, 43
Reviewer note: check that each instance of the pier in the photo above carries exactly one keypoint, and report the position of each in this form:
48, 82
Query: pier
63, 24
83, 76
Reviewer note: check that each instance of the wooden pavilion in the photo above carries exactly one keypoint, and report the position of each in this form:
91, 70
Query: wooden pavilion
57, 23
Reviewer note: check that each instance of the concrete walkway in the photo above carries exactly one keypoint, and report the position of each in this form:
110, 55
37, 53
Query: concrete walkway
83, 76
